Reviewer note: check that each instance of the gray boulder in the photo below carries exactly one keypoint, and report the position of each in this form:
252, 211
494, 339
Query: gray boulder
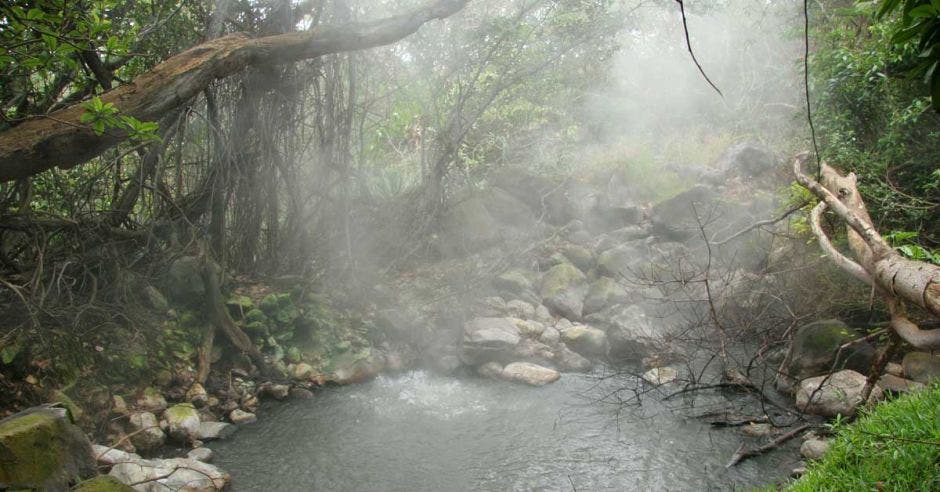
488, 339
182, 422
838, 394
563, 289
209, 431
586, 340
623, 261
146, 433
183, 280
570, 361
604, 292
675, 219
631, 335
748, 160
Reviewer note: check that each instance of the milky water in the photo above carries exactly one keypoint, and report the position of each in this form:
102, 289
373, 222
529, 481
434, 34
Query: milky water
418, 431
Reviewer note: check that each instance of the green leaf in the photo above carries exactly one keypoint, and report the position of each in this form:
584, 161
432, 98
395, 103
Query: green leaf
9, 352
35, 13
87, 117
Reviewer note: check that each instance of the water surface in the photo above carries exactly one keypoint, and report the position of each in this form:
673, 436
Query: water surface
418, 431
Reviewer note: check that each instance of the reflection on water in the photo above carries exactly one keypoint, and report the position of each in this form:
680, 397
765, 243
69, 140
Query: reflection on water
418, 431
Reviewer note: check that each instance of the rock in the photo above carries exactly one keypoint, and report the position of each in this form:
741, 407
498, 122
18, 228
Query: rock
542, 314
301, 393
562, 290
209, 431
894, 369
570, 361
197, 395
466, 228
181, 474
602, 293
529, 328
629, 332
550, 336
118, 405
921, 367
182, 422
183, 280
151, 400
840, 395
661, 375
492, 370
276, 391
814, 449
579, 256
102, 483
146, 433
756, 430
520, 309
747, 159
109, 456
894, 384
525, 372
241, 417
204, 455
813, 349
302, 372
674, 219
529, 350
487, 339
354, 368
586, 340
514, 282
41, 449
155, 299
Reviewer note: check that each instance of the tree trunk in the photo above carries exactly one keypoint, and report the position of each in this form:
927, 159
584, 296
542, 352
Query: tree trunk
61, 140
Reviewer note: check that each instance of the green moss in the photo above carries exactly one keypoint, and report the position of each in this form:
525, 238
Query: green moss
560, 278
180, 412
30, 452
102, 483
269, 304
895, 446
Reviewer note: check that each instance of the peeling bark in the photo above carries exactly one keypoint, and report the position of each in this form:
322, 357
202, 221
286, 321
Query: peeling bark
60, 139
896, 278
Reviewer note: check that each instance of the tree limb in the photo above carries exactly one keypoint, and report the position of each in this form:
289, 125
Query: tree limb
60, 139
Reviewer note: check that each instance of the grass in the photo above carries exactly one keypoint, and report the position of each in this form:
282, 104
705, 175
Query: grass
895, 446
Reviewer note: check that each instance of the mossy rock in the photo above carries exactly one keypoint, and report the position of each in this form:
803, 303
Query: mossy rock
256, 328
580, 256
256, 315
40, 449
269, 304
561, 278
515, 281
814, 346
102, 483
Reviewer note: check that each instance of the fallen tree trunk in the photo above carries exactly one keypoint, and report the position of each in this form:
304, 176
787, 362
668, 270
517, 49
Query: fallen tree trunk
59, 139
895, 278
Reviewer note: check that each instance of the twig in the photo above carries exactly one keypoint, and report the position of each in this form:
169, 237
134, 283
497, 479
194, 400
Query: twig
741, 454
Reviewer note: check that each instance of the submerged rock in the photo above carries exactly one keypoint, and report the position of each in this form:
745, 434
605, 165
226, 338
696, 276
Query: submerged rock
175, 474
41, 449
839, 394
661, 375
209, 431
525, 372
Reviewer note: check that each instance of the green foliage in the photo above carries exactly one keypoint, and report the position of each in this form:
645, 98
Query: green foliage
875, 121
895, 446
102, 116
920, 22
903, 241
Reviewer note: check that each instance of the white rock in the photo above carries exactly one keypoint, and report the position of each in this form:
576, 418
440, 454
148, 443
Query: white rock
182, 422
241, 417
176, 474
814, 449
661, 375
840, 393
525, 372
110, 456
